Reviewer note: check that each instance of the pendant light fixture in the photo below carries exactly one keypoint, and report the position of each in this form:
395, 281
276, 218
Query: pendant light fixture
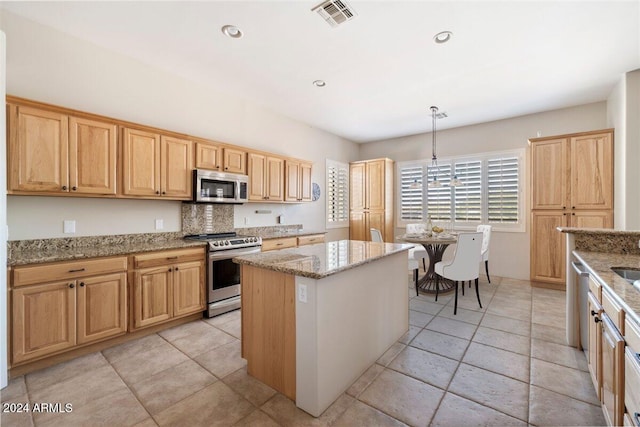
434, 158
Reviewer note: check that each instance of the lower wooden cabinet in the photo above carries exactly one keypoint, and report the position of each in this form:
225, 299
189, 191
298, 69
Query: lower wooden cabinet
595, 343
101, 303
291, 242
170, 284
612, 372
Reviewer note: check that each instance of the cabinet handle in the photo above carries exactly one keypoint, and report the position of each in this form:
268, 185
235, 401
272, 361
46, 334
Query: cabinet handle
279, 244
564, 207
226, 168
573, 213
564, 213
170, 269
64, 187
172, 257
164, 192
175, 269
593, 312
82, 284
71, 285
597, 319
157, 192
573, 207
218, 167
74, 188
76, 270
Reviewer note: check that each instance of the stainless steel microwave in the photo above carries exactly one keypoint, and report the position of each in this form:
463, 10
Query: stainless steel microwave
219, 187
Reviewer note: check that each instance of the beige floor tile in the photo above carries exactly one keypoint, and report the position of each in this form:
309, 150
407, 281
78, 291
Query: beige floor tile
514, 326
469, 302
418, 318
410, 335
206, 338
360, 414
117, 409
452, 327
256, 419
365, 380
16, 387
504, 340
133, 348
149, 362
518, 313
493, 390
559, 353
548, 408
285, 412
549, 318
149, 422
444, 345
561, 379
224, 318
442, 299
428, 367
215, 405
500, 361
424, 306
223, 360
549, 333
198, 327
248, 387
233, 328
398, 395
43, 378
179, 381
463, 315
390, 354
522, 302
16, 415
456, 411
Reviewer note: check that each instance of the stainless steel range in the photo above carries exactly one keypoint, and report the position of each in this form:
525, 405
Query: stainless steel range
223, 275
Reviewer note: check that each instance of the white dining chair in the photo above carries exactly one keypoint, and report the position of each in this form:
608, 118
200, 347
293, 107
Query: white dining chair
486, 238
376, 236
418, 252
463, 266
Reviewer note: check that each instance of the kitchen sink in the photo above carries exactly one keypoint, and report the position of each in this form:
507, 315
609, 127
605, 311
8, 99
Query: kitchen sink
629, 274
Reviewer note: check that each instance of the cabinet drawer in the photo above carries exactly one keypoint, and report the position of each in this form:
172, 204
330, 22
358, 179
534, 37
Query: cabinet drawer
155, 259
632, 334
310, 240
287, 242
30, 275
613, 310
631, 381
595, 289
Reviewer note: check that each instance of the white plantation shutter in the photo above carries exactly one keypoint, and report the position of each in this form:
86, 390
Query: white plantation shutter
439, 198
468, 197
411, 192
337, 194
502, 184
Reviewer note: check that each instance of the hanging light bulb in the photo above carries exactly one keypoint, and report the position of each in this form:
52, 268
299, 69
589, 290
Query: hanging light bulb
456, 182
434, 158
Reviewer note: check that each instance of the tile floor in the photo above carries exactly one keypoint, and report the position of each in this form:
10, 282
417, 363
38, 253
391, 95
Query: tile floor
505, 364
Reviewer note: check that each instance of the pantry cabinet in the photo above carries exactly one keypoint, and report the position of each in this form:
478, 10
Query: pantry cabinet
266, 177
297, 181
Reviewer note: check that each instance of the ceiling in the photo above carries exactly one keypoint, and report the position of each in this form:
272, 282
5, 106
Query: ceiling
382, 69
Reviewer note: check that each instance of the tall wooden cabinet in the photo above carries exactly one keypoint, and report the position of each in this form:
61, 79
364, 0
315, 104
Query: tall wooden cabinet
571, 186
371, 199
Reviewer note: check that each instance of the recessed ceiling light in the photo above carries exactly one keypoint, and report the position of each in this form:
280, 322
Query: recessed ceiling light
442, 37
319, 83
232, 31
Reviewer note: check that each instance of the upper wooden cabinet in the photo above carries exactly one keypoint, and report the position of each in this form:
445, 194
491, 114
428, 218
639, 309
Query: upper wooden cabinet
266, 177
155, 165
297, 181
220, 158
53, 152
549, 169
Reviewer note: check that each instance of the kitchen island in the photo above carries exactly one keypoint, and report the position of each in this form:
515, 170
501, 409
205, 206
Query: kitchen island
314, 318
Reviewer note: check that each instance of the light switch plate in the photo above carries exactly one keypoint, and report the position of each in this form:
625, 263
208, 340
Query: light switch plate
159, 224
302, 293
69, 226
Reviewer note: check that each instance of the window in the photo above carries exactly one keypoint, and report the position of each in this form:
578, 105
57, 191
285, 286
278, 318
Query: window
490, 194
337, 194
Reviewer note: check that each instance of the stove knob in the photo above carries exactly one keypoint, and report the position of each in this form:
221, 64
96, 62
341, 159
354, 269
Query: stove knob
226, 242
215, 243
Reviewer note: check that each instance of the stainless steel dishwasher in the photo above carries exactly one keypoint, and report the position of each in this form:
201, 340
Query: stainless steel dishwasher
582, 304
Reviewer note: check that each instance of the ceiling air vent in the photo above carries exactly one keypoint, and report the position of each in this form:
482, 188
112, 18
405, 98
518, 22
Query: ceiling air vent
335, 12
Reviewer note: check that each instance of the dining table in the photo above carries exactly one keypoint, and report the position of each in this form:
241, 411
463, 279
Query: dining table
435, 245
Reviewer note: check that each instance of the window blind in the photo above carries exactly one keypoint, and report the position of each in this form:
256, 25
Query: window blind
502, 188
337, 193
439, 198
411, 192
468, 197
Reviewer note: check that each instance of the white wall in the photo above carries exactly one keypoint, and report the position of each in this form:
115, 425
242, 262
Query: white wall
49, 66
3, 222
509, 251
616, 118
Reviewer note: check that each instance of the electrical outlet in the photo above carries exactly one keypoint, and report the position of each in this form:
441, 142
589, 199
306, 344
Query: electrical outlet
246, 220
638, 243
159, 224
69, 226
302, 293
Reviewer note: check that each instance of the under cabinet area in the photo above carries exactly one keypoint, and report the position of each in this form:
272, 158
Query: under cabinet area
58, 306
167, 285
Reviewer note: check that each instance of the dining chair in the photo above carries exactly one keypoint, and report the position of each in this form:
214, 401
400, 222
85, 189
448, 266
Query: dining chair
418, 252
376, 236
463, 266
486, 238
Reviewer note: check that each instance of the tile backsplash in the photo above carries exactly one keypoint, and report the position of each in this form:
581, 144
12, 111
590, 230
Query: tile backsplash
206, 218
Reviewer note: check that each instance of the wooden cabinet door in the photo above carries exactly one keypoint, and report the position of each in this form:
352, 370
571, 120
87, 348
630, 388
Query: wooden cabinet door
38, 150
306, 190
235, 161
357, 182
612, 372
359, 226
292, 181
188, 288
92, 156
152, 300
548, 246
208, 156
175, 168
549, 175
257, 176
376, 220
375, 185
592, 171
595, 343
140, 163
102, 307
275, 179
592, 219
44, 319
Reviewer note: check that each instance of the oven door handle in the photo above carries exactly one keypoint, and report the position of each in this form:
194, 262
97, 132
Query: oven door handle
214, 256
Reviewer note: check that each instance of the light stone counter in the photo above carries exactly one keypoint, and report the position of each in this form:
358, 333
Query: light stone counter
322, 259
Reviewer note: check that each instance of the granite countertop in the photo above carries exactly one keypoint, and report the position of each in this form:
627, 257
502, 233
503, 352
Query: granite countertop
599, 264
606, 231
53, 254
271, 234
322, 259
